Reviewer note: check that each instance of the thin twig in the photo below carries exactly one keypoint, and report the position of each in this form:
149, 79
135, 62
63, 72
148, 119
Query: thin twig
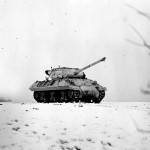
133, 42
143, 40
139, 12
145, 91
148, 84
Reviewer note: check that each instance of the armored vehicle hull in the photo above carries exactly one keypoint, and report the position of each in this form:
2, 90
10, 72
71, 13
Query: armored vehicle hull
68, 90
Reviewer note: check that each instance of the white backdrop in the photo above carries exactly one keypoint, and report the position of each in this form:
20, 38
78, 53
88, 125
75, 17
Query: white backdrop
38, 34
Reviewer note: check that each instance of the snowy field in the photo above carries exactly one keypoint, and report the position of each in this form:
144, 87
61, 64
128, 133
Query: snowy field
105, 126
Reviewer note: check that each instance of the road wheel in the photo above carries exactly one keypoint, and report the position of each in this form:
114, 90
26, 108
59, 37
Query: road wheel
76, 96
101, 96
57, 96
42, 97
70, 95
47, 97
51, 97
62, 98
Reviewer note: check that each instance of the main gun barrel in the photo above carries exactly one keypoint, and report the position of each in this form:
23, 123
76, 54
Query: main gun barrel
88, 66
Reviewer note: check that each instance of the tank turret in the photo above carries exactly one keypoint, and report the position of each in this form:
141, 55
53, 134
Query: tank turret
65, 72
68, 85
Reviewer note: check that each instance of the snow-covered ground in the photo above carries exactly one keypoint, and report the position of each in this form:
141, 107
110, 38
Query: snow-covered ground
105, 126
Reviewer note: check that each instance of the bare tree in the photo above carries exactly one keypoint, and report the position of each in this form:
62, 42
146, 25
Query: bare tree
144, 42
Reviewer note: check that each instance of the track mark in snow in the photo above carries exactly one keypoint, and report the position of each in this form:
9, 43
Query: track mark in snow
9, 123
90, 140
26, 125
70, 148
15, 128
74, 140
63, 141
77, 148
106, 143
34, 132
35, 108
63, 133
15, 120
137, 126
65, 129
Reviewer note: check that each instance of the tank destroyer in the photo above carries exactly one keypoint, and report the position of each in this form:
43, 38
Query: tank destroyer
65, 84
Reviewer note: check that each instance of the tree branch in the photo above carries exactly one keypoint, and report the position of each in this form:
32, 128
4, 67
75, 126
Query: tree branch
139, 12
144, 44
143, 40
147, 92
133, 42
148, 84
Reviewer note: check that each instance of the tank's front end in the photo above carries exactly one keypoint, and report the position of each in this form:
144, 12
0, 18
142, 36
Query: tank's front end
34, 86
93, 92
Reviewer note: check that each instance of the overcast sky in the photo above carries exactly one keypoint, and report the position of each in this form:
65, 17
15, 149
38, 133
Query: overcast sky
38, 34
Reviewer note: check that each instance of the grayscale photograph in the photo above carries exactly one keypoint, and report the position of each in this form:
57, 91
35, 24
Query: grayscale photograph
74, 75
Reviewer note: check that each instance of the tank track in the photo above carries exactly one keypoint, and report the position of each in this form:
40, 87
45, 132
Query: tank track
65, 96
